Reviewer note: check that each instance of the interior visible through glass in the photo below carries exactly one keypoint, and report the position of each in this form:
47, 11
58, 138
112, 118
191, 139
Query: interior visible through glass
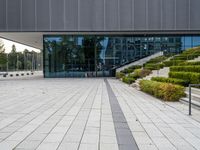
100, 55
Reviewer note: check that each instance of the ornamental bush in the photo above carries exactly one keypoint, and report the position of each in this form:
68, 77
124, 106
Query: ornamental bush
172, 63
165, 91
135, 76
185, 69
170, 80
153, 66
119, 75
128, 80
190, 63
157, 60
131, 69
127, 70
135, 67
141, 73
190, 77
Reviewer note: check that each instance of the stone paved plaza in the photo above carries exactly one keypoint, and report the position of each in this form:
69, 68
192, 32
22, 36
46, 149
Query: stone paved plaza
89, 114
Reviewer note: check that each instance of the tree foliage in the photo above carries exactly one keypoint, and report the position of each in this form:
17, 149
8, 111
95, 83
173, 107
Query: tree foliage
3, 57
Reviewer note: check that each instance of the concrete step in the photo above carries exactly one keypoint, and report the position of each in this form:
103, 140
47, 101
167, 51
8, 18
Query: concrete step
158, 73
195, 104
194, 90
196, 59
195, 97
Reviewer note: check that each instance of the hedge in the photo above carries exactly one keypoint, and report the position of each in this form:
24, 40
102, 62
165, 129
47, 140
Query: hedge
157, 60
134, 75
165, 91
127, 70
170, 80
119, 75
188, 54
185, 69
190, 77
153, 66
128, 80
190, 63
131, 69
186, 57
172, 63
141, 73
135, 67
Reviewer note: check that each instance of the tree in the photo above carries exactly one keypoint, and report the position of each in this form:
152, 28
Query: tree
12, 59
3, 58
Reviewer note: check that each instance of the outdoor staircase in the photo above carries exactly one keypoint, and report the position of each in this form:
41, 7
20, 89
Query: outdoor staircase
140, 61
194, 60
155, 73
158, 73
195, 97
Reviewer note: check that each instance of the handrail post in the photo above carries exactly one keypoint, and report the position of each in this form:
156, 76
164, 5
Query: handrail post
190, 99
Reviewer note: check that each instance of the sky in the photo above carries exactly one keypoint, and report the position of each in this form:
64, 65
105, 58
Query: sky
19, 47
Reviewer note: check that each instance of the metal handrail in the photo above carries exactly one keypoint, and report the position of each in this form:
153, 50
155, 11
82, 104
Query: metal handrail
190, 96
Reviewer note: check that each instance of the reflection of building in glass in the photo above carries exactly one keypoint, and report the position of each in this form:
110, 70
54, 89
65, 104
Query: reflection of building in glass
76, 56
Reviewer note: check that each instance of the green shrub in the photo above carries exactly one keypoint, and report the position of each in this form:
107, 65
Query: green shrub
119, 75
135, 67
186, 57
185, 69
172, 63
190, 77
153, 66
127, 70
170, 80
128, 80
135, 76
141, 73
131, 69
190, 63
165, 91
157, 60
188, 54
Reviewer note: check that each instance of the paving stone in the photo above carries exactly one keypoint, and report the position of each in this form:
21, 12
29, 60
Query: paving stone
77, 114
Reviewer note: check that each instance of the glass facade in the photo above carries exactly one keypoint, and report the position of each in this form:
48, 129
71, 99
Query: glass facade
100, 55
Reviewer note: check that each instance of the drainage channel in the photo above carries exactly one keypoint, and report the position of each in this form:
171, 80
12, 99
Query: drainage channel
125, 138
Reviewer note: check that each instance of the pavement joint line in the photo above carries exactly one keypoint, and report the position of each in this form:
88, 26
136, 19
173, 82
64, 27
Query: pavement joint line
26, 114
120, 118
96, 89
79, 93
35, 118
75, 116
128, 91
100, 118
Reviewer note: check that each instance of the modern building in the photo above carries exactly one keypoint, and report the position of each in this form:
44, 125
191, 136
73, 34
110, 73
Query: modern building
93, 37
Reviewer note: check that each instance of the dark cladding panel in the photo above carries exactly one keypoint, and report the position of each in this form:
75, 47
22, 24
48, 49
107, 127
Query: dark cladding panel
195, 14
168, 14
43, 16
139, 14
125, 14
71, 15
13, 15
28, 15
2, 15
57, 15
111, 15
154, 14
182, 14
98, 15
85, 13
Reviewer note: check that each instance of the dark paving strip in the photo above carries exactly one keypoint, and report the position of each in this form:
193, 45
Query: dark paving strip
125, 138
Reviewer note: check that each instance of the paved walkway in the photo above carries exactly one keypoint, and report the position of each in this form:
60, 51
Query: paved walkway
89, 114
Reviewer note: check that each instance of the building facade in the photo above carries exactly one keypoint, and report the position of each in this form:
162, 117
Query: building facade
93, 37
